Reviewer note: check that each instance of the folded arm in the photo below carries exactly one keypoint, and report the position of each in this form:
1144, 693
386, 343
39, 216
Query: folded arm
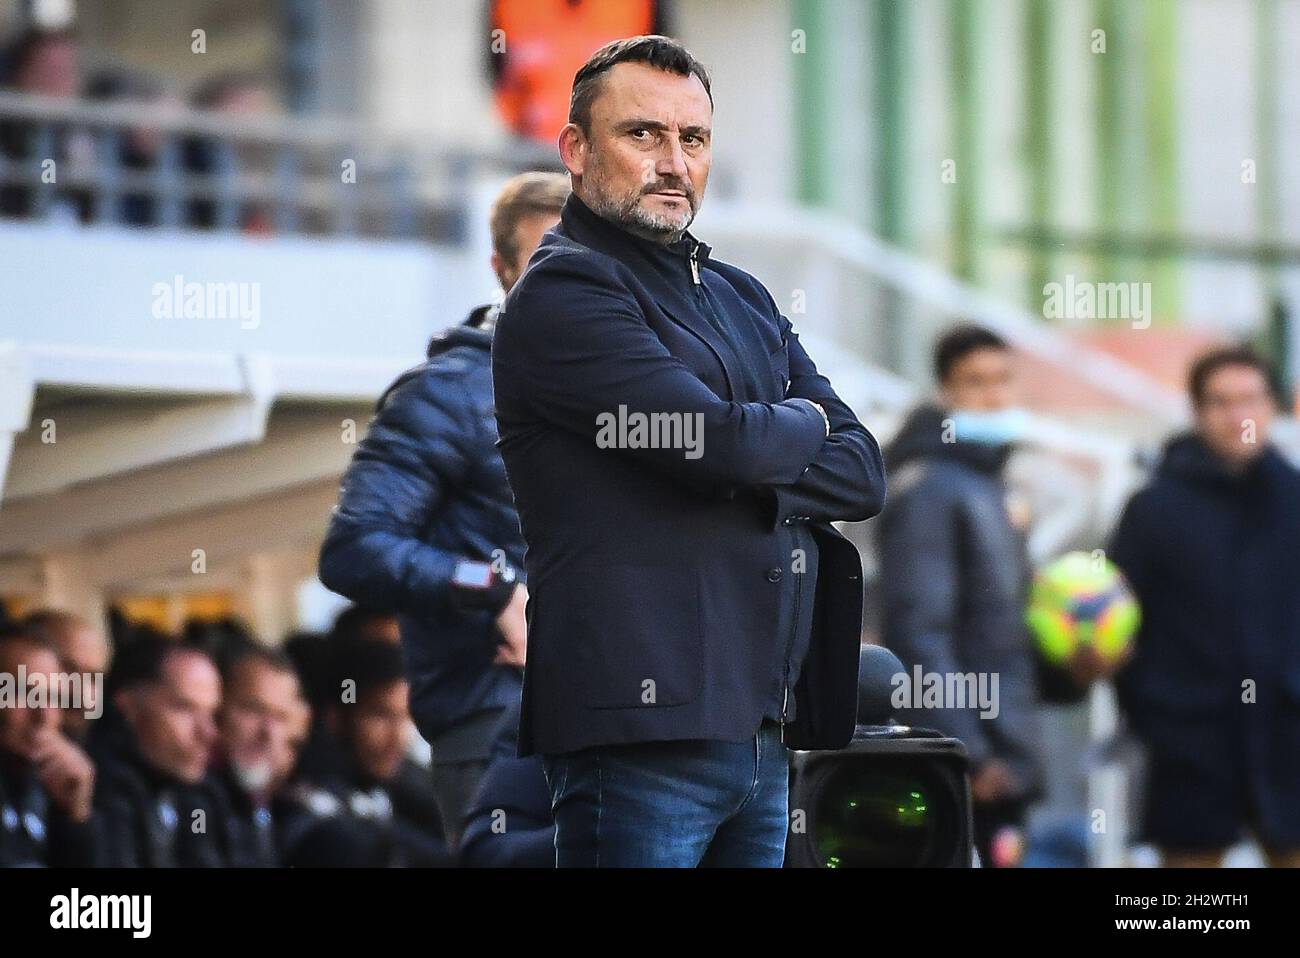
575, 347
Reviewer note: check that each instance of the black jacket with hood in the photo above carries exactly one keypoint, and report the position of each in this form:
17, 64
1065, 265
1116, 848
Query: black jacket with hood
1214, 685
954, 577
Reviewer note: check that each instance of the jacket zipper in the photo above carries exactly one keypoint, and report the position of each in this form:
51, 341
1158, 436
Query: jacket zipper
693, 260
789, 645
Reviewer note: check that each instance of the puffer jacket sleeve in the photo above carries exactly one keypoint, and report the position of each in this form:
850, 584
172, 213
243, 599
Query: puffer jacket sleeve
415, 452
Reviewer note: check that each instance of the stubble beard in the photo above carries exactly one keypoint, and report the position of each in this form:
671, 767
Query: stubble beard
628, 212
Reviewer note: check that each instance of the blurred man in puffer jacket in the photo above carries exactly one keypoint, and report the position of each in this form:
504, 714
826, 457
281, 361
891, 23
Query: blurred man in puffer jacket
426, 524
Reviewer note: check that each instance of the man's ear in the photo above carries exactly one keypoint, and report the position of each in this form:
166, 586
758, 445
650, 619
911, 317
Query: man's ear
499, 270
573, 148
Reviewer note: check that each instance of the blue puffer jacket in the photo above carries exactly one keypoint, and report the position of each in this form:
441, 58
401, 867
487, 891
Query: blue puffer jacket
425, 490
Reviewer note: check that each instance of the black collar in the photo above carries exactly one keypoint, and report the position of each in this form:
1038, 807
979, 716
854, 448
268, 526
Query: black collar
591, 229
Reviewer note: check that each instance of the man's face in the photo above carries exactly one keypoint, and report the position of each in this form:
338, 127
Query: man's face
645, 162
262, 726
1235, 413
175, 720
83, 649
53, 68
378, 729
528, 236
981, 381
21, 728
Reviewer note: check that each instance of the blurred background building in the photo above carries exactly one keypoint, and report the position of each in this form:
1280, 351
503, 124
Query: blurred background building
225, 225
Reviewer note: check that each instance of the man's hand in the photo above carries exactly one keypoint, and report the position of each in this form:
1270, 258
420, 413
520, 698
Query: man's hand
1087, 666
993, 780
513, 627
66, 773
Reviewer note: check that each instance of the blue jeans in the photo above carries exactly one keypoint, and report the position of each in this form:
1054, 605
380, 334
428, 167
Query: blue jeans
672, 804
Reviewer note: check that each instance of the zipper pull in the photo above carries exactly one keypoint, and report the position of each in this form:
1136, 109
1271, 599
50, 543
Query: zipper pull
695, 264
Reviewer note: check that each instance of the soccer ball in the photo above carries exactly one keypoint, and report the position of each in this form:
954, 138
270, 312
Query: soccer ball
1080, 600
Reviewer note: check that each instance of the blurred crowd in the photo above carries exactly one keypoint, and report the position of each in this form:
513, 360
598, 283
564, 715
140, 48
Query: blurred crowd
212, 749
49, 64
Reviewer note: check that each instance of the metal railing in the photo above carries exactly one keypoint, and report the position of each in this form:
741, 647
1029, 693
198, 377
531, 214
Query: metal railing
139, 165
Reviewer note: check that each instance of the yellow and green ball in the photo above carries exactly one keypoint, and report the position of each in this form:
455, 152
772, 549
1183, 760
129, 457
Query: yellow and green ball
1082, 599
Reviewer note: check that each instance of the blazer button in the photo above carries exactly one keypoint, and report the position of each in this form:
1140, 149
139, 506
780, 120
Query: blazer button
774, 575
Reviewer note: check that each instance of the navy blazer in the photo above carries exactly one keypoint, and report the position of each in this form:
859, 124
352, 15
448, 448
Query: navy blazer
656, 576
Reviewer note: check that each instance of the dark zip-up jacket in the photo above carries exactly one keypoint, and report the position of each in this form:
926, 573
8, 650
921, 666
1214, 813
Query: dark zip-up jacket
954, 576
33, 831
1213, 688
676, 595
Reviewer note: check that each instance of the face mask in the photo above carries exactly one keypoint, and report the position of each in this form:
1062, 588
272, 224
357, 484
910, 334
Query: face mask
991, 428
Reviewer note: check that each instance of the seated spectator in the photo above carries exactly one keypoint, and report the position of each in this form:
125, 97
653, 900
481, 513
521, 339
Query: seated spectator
363, 622
46, 781
82, 649
237, 95
509, 823
224, 639
48, 64
263, 725
155, 805
139, 148
309, 653
355, 792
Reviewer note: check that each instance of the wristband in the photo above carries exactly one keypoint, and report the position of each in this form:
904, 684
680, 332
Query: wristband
476, 585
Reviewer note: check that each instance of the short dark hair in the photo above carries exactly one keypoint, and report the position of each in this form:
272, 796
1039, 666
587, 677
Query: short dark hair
277, 660
959, 342
51, 624
24, 635
372, 665
1206, 365
664, 53
144, 660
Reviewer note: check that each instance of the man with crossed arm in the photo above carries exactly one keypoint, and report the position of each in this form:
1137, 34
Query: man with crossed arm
692, 614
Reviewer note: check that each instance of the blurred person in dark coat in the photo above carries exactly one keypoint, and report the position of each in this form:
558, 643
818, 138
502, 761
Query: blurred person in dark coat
1213, 690
82, 649
155, 804
426, 524
355, 793
46, 781
509, 823
46, 63
677, 461
954, 572
263, 724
